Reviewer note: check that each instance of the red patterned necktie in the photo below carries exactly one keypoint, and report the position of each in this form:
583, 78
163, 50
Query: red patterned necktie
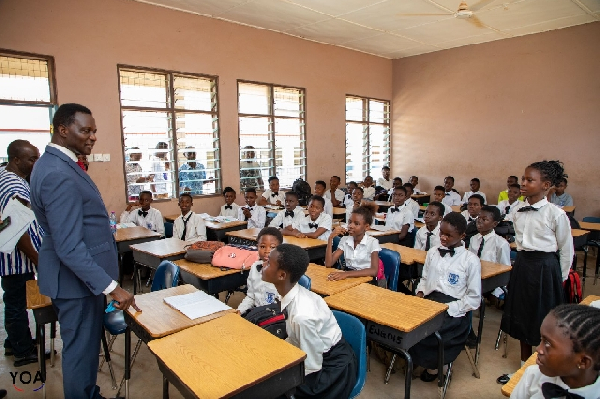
81, 165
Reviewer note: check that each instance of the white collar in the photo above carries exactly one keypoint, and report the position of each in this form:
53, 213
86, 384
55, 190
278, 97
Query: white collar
65, 151
289, 297
538, 204
436, 228
488, 235
183, 216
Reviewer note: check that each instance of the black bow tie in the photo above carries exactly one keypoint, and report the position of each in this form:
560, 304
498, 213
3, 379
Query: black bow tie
274, 194
312, 225
550, 390
443, 251
528, 208
394, 209
447, 193
142, 213
289, 213
228, 206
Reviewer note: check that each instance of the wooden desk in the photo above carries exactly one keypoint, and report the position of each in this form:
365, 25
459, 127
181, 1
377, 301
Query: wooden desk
514, 380
389, 236
569, 209
590, 226
394, 320
171, 218
216, 231
456, 208
229, 357
133, 235
421, 198
589, 299
382, 206
339, 213
152, 253
422, 208
211, 279
322, 286
408, 256
418, 224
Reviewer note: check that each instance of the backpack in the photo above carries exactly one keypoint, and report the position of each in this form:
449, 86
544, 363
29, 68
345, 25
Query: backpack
270, 318
202, 251
302, 188
572, 288
239, 257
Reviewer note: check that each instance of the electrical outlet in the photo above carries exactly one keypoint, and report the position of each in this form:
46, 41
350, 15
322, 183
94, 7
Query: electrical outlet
97, 157
105, 157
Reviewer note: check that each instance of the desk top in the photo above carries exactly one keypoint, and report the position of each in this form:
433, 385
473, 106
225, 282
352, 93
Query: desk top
224, 225
134, 233
512, 383
204, 271
304, 243
320, 285
379, 233
579, 232
162, 248
589, 226
408, 256
339, 211
224, 357
491, 269
423, 195
159, 319
35, 300
589, 299
455, 208
171, 218
418, 224
568, 209
382, 306
422, 207
384, 203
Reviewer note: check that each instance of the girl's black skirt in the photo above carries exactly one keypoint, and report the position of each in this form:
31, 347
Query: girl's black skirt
535, 288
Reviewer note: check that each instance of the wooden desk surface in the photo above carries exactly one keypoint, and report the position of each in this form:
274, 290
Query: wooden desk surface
384, 203
224, 225
385, 307
171, 218
423, 195
378, 233
224, 357
134, 233
422, 207
320, 285
304, 243
512, 383
590, 226
408, 256
162, 248
35, 300
589, 299
418, 224
159, 319
246, 234
204, 271
568, 209
455, 208
491, 269
339, 211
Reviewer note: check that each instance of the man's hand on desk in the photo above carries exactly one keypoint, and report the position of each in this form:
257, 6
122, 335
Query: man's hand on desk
124, 298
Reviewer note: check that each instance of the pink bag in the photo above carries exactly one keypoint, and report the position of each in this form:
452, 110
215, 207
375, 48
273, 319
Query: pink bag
234, 258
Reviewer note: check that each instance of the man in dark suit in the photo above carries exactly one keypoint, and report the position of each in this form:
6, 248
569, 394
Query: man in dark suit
78, 256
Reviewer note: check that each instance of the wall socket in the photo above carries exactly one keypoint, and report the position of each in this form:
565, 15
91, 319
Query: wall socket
99, 158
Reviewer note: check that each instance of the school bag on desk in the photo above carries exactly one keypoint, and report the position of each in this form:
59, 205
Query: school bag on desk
202, 251
240, 257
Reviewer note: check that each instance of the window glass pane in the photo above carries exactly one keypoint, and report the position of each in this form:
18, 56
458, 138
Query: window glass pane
24, 79
289, 151
254, 99
288, 102
379, 149
255, 155
24, 123
193, 93
354, 109
378, 112
144, 89
355, 151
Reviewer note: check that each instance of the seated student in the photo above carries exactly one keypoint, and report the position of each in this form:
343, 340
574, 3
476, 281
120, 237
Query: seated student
486, 244
384, 181
320, 188
317, 224
475, 185
330, 366
451, 275
360, 250
357, 201
439, 193
473, 208
397, 182
414, 180
510, 206
429, 236
272, 196
400, 217
292, 215
568, 359
334, 194
230, 209
260, 292
451, 197
411, 203
254, 214
558, 196
348, 201
188, 226
368, 189
145, 216
504, 194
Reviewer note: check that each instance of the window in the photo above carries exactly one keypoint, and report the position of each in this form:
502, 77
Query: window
170, 133
367, 137
272, 134
27, 99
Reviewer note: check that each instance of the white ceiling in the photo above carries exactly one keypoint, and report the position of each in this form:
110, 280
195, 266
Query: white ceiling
396, 28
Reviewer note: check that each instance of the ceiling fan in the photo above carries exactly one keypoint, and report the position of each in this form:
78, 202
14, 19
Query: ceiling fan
463, 12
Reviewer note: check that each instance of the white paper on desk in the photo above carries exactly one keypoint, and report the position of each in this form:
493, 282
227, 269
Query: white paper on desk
379, 227
595, 304
125, 225
420, 220
204, 216
197, 304
20, 219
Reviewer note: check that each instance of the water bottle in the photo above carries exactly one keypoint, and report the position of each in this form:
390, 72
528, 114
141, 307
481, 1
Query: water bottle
113, 222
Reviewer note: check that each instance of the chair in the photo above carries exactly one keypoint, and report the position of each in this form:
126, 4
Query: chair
593, 239
168, 229
304, 281
391, 267
334, 245
354, 333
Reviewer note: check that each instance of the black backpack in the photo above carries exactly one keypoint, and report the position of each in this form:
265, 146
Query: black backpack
302, 188
269, 317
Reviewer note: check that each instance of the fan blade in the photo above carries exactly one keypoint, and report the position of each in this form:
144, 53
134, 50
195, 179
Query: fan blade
422, 15
480, 4
475, 21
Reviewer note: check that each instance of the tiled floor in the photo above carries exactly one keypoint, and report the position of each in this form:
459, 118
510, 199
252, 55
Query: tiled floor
146, 379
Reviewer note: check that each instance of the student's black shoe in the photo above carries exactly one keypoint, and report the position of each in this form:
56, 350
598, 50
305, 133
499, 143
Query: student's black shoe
31, 358
471, 340
503, 379
8, 350
3, 393
427, 377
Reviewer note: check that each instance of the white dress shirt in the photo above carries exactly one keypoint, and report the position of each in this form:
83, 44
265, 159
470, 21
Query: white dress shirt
545, 230
282, 221
413, 206
421, 237
458, 276
310, 325
259, 216
348, 201
399, 217
358, 258
451, 198
195, 227
230, 213
259, 292
323, 220
495, 248
467, 216
387, 184
153, 220
368, 193
514, 207
273, 200
328, 209
530, 385
468, 195
339, 195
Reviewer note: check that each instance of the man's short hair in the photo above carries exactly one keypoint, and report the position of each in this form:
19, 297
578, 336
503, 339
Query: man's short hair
65, 114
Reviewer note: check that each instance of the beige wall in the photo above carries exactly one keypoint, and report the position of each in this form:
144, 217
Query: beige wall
89, 38
491, 109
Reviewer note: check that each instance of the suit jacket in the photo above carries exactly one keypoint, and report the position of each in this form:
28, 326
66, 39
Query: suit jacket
78, 256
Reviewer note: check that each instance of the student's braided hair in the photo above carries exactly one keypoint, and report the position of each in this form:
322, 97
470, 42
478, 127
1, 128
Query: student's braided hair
552, 171
583, 325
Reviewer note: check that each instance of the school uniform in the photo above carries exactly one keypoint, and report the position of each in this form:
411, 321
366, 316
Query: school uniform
151, 219
330, 367
456, 281
562, 200
189, 227
273, 197
508, 210
358, 258
451, 198
468, 195
424, 235
503, 196
287, 218
368, 193
491, 248
328, 208
309, 226
413, 206
468, 216
259, 292
398, 216
387, 184
531, 383
258, 219
416, 190
338, 195
544, 256
348, 200
229, 211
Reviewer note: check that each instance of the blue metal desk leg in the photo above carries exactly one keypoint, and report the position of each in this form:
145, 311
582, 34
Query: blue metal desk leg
408, 374
127, 360
440, 359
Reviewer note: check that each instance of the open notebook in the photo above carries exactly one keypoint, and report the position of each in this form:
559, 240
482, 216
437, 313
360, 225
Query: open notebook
195, 305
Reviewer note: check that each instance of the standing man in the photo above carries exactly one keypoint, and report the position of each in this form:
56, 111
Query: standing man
191, 174
18, 266
78, 253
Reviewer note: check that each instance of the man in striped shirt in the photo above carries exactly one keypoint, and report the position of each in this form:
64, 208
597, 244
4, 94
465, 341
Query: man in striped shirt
18, 266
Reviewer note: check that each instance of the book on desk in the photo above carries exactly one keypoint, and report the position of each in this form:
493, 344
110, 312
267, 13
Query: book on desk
196, 304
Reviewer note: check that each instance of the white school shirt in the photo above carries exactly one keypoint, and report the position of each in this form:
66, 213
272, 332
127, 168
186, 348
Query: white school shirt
230, 213
468, 195
195, 228
402, 215
451, 198
339, 195
328, 209
260, 292
421, 237
348, 201
458, 276
467, 216
153, 220
286, 221
324, 220
513, 208
530, 385
387, 184
495, 248
273, 200
562, 200
368, 193
310, 325
413, 206
358, 258
259, 216
547, 230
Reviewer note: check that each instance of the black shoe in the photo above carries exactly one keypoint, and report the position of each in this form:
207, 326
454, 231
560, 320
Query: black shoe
427, 377
3, 393
31, 358
503, 379
8, 350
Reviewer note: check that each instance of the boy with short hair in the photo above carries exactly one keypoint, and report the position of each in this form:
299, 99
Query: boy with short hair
254, 214
348, 197
188, 226
272, 196
292, 215
334, 194
475, 185
145, 215
368, 189
320, 188
429, 236
384, 181
414, 180
397, 182
486, 244
504, 194
400, 217
473, 208
317, 224
451, 197
558, 196
357, 199
439, 193
509, 207
411, 203
230, 209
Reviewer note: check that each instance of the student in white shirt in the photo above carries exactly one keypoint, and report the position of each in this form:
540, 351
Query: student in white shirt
400, 217
230, 209
334, 194
254, 214
439, 194
486, 244
475, 185
451, 275
397, 182
384, 181
368, 189
330, 366
355, 202
508, 208
292, 215
414, 181
317, 224
474, 205
188, 226
348, 201
320, 188
504, 194
272, 196
411, 203
451, 197
568, 359
145, 216
429, 236
558, 196
260, 292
